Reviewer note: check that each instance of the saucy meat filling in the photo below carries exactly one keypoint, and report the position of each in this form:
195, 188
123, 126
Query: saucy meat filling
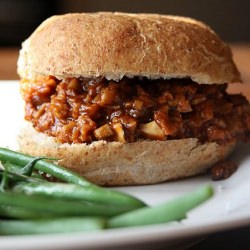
80, 110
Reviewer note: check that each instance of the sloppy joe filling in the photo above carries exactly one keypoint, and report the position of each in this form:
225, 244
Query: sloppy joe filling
80, 110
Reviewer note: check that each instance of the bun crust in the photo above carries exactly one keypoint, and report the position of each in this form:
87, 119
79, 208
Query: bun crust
115, 45
114, 163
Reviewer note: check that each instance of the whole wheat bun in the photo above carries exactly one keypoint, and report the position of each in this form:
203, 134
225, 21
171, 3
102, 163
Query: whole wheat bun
115, 45
115, 163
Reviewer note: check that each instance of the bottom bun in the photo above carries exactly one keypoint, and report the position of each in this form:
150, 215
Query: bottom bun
114, 163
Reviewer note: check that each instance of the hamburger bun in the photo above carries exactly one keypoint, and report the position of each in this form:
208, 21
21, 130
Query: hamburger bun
114, 45
118, 45
116, 164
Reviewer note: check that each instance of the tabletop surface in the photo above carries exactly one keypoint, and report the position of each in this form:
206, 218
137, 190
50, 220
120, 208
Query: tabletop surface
232, 239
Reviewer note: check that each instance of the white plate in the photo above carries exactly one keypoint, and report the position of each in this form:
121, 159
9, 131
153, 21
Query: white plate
229, 208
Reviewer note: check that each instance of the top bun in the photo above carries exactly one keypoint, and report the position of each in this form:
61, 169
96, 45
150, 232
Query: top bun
114, 45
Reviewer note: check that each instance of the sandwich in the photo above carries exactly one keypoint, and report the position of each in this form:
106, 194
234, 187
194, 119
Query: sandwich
129, 99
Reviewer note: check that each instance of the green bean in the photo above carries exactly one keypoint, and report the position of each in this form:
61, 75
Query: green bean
7, 155
21, 213
47, 226
67, 191
57, 207
14, 178
15, 168
4, 181
114, 197
169, 211
28, 168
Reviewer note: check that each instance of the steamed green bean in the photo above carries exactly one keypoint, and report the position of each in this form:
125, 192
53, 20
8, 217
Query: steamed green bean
47, 226
174, 210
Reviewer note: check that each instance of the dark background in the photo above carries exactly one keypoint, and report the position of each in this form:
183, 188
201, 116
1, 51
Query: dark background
229, 18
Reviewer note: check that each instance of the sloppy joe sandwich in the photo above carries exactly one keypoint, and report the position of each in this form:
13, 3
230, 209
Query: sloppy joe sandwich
128, 99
